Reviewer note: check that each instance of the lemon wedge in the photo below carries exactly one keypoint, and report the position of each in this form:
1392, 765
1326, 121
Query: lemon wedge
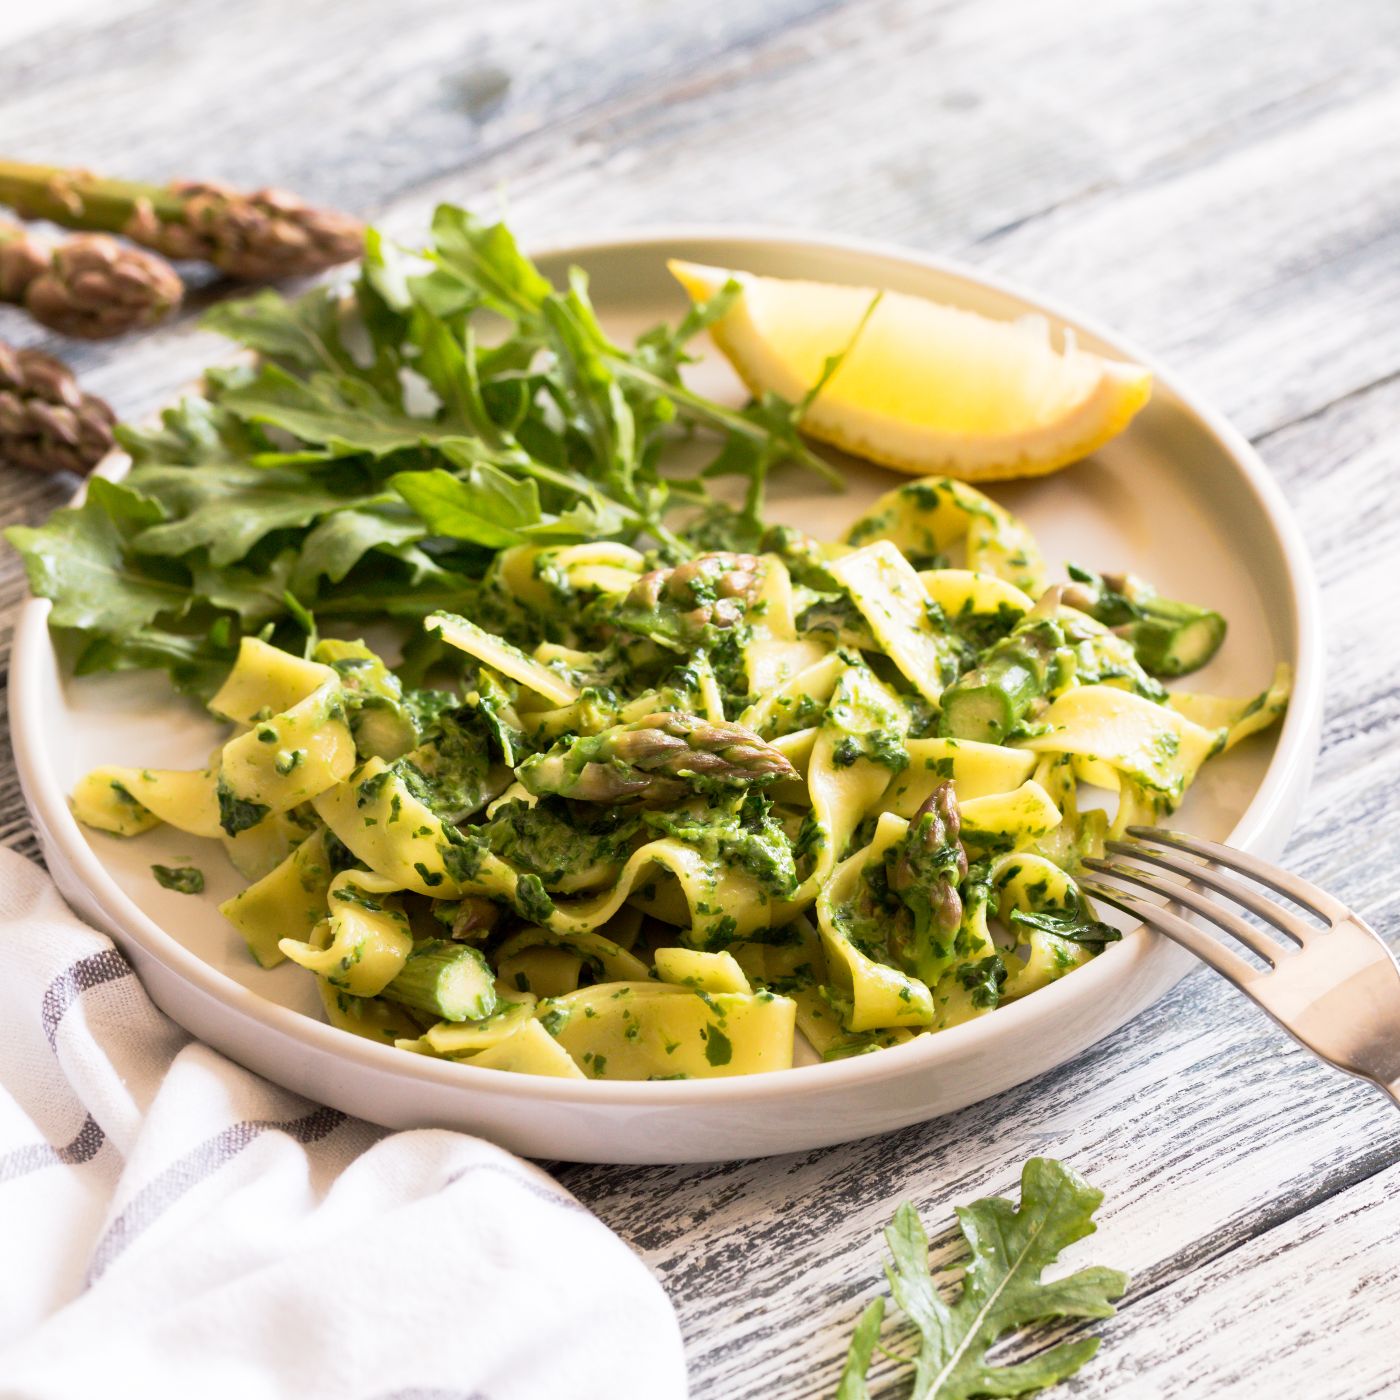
925, 387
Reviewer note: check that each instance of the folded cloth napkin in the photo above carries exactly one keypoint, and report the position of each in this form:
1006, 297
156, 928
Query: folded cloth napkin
172, 1225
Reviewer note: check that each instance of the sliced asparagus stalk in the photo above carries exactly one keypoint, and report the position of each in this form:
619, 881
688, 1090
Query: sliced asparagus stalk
266, 234
1169, 638
444, 979
988, 702
47, 423
89, 286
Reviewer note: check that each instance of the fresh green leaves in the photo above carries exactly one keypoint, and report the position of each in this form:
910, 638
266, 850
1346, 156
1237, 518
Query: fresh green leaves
81, 559
483, 505
486, 260
375, 455
340, 414
303, 334
226, 508
1009, 1247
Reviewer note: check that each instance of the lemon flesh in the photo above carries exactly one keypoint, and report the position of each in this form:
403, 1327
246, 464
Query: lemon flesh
924, 387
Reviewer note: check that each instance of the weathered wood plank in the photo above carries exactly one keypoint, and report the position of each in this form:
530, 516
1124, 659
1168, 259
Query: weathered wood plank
344, 100
1254, 1322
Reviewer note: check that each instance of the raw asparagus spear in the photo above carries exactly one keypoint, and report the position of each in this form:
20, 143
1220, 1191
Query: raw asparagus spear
988, 702
266, 234
1169, 638
89, 286
663, 757
445, 979
47, 423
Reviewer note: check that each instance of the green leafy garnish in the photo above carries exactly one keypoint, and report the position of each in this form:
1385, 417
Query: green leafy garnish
1009, 1248
237, 813
1075, 924
183, 879
376, 456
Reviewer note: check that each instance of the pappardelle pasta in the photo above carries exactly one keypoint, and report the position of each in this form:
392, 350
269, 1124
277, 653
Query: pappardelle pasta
662, 821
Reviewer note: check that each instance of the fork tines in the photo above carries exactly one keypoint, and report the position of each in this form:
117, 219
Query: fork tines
1186, 855
1335, 986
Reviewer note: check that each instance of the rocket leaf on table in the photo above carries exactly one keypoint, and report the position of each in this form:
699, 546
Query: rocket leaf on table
1009, 1248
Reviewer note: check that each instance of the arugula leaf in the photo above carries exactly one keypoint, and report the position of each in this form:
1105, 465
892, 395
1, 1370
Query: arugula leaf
486, 257
344, 415
450, 367
863, 1342
257, 597
1002, 1292
227, 507
300, 334
194, 431
197, 663
486, 506
591, 396
340, 540
79, 558
661, 350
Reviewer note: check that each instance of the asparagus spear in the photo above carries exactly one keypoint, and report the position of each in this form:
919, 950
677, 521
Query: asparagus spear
266, 234
47, 423
988, 702
444, 979
924, 870
89, 286
663, 757
675, 605
1169, 638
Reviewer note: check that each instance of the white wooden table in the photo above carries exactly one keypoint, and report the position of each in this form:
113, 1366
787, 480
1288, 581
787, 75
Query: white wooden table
1219, 180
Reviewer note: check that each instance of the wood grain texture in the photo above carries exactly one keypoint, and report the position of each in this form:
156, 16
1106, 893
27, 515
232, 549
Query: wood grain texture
1221, 182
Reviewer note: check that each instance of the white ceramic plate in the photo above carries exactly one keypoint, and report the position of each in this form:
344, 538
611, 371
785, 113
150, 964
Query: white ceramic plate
1181, 498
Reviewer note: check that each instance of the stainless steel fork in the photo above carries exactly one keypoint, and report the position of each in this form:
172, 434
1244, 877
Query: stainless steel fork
1338, 992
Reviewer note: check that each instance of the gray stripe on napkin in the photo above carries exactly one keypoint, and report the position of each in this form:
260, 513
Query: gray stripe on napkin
59, 996
69, 985
83, 1148
543, 1193
154, 1199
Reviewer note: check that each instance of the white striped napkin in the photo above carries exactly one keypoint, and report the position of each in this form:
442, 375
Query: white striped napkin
172, 1225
